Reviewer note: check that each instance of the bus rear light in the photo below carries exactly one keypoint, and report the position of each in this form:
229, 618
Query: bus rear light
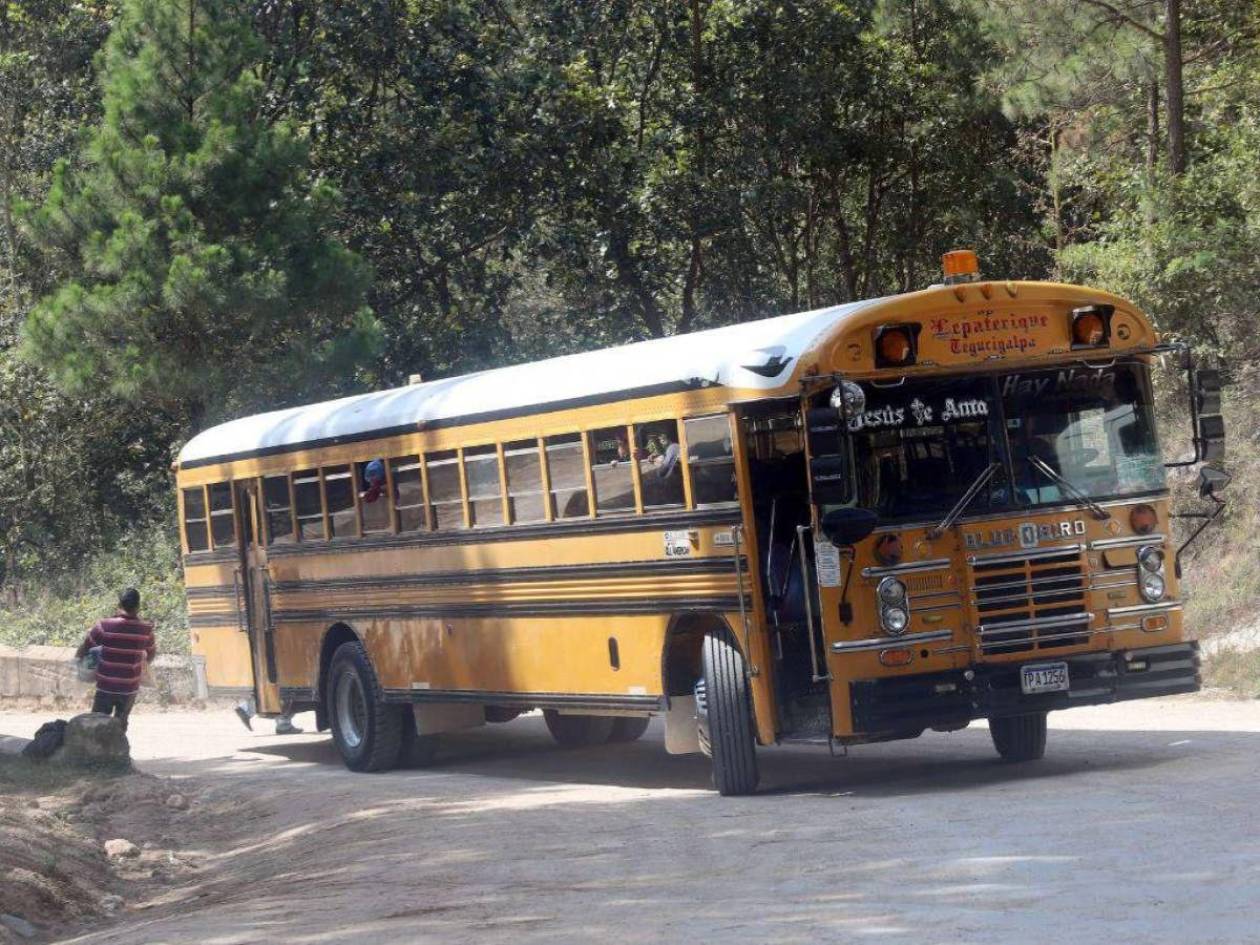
895, 345
1142, 519
888, 550
896, 657
1091, 326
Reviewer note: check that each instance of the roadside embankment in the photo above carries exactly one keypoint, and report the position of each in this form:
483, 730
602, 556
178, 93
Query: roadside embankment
47, 674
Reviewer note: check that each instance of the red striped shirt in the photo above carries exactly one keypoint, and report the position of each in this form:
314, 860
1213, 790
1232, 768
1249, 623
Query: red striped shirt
125, 643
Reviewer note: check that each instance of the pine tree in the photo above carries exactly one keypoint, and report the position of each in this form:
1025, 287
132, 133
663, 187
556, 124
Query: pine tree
189, 231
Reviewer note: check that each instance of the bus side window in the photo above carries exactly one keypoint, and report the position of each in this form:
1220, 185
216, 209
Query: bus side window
408, 493
339, 493
310, 506
660, 472
196, 530
711, 460
369, 479
568, 477
222, 519
610, 468
524, 477
485, 494
279, 510
445, 498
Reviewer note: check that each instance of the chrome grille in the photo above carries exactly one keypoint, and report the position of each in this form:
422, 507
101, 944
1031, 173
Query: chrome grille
1030, 601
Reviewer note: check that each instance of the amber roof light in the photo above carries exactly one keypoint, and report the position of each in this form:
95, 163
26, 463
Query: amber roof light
960, 265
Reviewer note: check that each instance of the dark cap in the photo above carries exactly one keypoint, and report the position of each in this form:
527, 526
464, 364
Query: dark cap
129, 600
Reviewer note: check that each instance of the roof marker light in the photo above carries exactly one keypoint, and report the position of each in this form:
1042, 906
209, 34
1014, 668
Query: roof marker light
960, 265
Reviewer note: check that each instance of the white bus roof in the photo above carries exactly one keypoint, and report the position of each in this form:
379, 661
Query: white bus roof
718, 356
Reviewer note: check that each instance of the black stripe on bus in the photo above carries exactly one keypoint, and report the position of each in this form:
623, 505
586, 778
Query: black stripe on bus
467, 420
668, 567
216, 619
541, 700
625, 606
566, 528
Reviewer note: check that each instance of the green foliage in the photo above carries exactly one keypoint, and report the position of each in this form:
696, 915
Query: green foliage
59, 611
190, 230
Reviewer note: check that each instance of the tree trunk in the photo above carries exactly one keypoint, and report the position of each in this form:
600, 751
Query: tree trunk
1152, 126
1175, 88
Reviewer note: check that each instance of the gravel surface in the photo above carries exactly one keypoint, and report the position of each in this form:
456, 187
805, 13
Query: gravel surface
1139, 826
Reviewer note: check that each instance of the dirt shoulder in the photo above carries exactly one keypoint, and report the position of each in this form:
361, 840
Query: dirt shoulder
79, 850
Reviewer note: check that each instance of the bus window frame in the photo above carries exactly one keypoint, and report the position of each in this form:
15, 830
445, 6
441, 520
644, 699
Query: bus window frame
231, 512
733, 460
391, 485
494, 449
266, 514
183, 517
323, 515
544, 479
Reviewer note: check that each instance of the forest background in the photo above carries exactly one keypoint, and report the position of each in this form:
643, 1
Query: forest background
214, 207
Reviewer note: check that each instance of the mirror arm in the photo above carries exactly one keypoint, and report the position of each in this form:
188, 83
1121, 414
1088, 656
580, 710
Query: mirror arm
1208, 519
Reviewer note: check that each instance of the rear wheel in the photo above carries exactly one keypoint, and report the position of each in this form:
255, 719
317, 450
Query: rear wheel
1019, 737
366, 729
578, 731
628, 728
727, 728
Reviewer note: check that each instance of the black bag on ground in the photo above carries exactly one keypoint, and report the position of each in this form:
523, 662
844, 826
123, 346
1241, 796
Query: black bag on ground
47, 740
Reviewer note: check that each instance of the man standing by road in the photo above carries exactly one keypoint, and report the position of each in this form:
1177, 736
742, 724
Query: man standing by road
126, 643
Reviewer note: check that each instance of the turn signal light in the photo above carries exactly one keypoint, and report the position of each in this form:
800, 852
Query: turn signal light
888, 550
896, 657
1143, 519
895, 345
1091, 326
1155, 624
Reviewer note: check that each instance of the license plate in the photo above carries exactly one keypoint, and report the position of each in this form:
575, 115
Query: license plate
1043, 677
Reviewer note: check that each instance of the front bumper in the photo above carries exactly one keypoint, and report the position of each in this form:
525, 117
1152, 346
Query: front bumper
910, 704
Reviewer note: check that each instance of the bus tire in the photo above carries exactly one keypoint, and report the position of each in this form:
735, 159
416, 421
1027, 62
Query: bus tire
728, 714
1019, 737
416, 751
578, 731
367, 730
628, 728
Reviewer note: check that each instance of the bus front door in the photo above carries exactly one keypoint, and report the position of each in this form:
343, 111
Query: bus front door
254, 585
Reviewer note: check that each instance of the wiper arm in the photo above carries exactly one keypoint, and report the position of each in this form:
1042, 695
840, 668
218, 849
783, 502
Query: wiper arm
961, 504
1044, 468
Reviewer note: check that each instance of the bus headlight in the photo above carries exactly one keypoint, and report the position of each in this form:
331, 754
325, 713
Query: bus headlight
892, 591
1152, 558
894, 619
1152, 586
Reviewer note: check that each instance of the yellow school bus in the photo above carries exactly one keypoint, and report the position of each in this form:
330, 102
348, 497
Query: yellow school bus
846, 525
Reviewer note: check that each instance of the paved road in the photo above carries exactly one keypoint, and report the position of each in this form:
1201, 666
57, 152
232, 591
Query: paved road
1140, 826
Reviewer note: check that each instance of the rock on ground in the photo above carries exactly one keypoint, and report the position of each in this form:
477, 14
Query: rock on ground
94, 741
18, 926
116, 849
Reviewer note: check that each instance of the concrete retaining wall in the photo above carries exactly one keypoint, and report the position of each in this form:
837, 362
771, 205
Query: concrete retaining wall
48, 672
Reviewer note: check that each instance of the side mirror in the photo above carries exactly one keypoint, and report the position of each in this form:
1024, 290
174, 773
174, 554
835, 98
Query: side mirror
1210, 425
846, 527
1212, 481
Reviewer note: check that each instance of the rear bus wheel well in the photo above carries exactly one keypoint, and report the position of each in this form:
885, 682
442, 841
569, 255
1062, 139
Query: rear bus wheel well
681, 657
334, 637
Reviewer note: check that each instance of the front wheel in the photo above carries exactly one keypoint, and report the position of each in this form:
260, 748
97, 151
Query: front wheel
367, 730
1019, 737
727, 724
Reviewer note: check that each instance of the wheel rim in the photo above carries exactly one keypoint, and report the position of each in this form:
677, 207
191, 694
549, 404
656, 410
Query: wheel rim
351, 709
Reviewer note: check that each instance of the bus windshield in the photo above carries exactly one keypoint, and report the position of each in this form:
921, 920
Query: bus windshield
919, 445
1095, 428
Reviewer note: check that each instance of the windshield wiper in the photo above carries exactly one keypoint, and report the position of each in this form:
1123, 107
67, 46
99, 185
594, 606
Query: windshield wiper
961, 504
1044, 468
